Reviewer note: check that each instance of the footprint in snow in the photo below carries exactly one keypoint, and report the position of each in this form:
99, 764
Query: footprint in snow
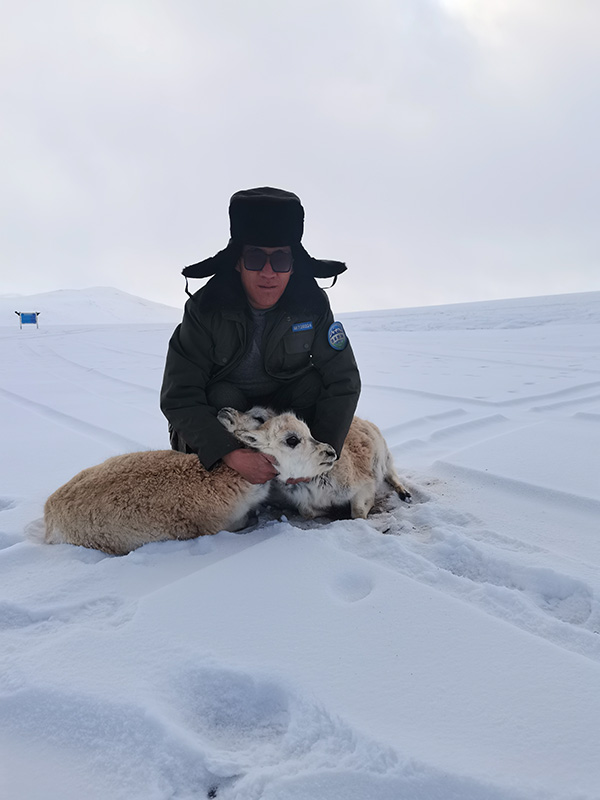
564, 598
122, 748
235, 711
352, 585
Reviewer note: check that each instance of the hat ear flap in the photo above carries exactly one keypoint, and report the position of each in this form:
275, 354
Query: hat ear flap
317, 268
223, 260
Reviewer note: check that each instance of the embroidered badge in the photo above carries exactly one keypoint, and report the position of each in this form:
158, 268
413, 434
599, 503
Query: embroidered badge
337, 336
302, 326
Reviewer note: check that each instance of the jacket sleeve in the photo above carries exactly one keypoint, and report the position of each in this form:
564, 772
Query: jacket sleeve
183, 398
341, 387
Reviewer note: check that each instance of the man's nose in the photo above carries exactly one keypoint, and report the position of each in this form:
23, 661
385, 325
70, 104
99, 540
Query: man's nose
268, 267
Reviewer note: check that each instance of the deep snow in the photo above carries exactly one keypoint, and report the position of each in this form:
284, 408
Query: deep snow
445, 650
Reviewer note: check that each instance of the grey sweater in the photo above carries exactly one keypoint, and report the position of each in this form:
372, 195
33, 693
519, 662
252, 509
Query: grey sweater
249, 375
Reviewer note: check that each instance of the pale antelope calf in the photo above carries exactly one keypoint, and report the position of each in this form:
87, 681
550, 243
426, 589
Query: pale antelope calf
363, 469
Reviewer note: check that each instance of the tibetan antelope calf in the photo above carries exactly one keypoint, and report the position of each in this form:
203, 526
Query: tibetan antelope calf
363, 469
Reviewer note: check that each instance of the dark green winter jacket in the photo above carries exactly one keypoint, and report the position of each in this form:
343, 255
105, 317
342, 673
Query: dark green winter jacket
212, 338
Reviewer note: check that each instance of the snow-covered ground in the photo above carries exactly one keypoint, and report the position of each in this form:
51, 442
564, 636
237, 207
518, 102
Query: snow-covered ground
447, 650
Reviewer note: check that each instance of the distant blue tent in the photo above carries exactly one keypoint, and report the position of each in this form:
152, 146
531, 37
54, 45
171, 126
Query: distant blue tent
28, 318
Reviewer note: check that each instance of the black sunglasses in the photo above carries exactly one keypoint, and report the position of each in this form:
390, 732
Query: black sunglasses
255, 259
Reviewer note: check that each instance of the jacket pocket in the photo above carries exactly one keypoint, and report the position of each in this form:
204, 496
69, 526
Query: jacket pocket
220, 357
296, 352
298, 343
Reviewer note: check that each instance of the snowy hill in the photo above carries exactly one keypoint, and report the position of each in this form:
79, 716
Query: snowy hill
521, 312
95, 306
447, 649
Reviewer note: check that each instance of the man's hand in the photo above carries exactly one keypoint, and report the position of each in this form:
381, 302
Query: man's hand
254, 467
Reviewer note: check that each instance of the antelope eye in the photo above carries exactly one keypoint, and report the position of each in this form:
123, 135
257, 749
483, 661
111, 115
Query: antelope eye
292, 441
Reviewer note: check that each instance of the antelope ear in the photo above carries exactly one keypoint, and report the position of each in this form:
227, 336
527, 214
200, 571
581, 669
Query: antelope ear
246, 437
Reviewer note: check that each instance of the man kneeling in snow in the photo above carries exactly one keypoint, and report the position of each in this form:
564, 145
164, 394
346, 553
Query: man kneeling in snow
261, 332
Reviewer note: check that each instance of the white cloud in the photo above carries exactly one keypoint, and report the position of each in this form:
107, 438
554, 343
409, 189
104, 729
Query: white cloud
446, 150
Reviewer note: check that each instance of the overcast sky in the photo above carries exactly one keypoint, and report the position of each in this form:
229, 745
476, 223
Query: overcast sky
447, 150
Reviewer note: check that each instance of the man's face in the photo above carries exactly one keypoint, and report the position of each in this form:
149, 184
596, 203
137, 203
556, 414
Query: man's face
264, 287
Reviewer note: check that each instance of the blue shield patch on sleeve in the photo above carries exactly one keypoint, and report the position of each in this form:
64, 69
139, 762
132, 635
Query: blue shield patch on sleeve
336, 336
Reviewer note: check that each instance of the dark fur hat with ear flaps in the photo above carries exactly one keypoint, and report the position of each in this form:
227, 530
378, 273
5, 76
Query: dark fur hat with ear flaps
265, 217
